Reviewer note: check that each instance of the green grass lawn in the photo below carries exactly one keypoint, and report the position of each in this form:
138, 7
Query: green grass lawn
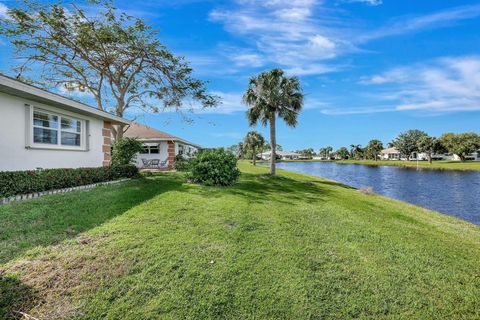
445, 165
290, 247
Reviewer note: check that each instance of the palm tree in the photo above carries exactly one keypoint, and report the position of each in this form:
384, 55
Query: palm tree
355, 148
328, 150
271, 94
374, 147
254, 140
241, 150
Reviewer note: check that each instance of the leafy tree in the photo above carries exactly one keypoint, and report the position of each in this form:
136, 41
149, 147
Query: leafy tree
233, 149
124, 151
272, 94
325, 152
461, 144
240, 150
343, 153
307, 153
407, 142
356, 150
115, 58
374, 148
328, 150
429, 146
254, 141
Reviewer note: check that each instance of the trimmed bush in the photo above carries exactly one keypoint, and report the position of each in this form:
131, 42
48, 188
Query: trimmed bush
124, 151
181, 163
214, 168
22, 182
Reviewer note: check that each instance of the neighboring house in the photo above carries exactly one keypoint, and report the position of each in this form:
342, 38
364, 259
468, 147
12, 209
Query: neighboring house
475, 156
41, 129
394, 154
282, 155
390, 154
158, 145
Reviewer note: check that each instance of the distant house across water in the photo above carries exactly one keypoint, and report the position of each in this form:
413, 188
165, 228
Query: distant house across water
282, 155
394, 154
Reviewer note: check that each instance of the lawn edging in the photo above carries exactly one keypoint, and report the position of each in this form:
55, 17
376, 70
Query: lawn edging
35, 195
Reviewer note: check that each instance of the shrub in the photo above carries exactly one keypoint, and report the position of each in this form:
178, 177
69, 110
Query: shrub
181, 163
214, 168
124, 151
22, 182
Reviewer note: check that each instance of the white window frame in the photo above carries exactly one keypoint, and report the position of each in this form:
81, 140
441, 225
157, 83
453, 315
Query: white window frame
58, 146
148, 147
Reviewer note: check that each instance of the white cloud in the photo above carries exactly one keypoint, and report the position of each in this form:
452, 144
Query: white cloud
248, 59
405, 25
3, 11
74, 92
307, 37
285, 33
444, 85
369, 2
360, 110
311, 69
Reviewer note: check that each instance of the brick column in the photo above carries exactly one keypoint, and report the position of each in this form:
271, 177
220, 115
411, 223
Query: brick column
171, 154
107, 143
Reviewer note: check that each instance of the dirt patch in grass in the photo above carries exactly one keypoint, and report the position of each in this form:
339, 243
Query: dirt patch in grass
48, 287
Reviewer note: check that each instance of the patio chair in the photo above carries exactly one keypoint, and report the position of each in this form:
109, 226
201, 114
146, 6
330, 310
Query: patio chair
145, 163
163, 164
155, 163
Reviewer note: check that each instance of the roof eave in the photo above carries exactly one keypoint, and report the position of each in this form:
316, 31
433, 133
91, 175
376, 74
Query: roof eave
172, 139
26, 91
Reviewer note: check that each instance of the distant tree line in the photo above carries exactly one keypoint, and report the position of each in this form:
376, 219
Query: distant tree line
407, 143
415, 141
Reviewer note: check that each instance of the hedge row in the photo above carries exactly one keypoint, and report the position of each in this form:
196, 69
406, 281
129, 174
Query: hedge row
23, 182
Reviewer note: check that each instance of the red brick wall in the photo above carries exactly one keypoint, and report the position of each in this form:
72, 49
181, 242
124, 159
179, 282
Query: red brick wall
171, 154
107, 143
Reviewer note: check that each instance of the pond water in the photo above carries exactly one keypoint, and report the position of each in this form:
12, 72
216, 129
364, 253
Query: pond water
456, 193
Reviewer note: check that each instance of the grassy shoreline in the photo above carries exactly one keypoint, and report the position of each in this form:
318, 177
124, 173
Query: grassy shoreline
436, 165
290, 247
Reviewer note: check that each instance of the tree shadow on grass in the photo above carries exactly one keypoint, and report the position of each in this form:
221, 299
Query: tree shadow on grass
262, 188
51, 219
15, 297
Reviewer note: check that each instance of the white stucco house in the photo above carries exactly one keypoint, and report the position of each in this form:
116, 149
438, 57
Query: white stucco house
41, 129
394, 154
390, 154
283, 155
159, 148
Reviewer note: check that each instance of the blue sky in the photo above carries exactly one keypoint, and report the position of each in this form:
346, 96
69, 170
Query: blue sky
369, 68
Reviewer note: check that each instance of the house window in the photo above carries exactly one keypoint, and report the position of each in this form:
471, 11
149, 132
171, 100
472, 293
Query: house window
71, 132
45, 128
181, 149
151, 149
54, 129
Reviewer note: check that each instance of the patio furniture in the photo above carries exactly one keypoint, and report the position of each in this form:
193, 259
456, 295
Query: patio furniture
155, 163
145, 163
163, 164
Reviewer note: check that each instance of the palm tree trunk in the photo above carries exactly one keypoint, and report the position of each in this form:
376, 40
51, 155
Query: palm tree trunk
273, 142
254, 160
